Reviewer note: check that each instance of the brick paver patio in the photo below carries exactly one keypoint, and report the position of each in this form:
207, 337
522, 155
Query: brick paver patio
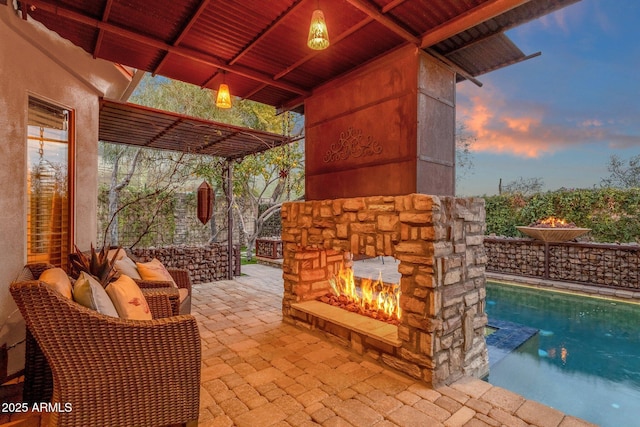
259, 371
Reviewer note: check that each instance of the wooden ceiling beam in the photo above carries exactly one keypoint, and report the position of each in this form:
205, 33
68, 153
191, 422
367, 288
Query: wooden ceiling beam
183, 32
105, 16
487, 10
159, 44
380, 17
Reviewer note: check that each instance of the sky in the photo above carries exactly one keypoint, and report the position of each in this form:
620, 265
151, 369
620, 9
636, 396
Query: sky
560, 116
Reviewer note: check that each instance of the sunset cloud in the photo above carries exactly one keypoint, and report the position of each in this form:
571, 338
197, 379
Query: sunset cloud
509, 126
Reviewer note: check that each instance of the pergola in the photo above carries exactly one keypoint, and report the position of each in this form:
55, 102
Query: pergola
259, 49
132, 124
137, 125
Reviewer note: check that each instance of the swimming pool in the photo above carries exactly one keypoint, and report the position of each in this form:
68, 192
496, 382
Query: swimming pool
585, 359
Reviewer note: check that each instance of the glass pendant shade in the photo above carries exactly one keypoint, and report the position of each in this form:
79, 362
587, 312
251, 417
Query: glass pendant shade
223, 99
318, 35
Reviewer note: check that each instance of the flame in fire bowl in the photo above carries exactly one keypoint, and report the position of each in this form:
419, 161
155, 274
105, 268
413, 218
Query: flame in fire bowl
555, 234
553, 229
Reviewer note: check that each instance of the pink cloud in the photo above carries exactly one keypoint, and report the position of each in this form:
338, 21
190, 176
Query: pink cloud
514, 127
499, 131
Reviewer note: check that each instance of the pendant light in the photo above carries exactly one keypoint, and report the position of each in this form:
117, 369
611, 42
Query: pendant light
206, 199
318, 34
223, 98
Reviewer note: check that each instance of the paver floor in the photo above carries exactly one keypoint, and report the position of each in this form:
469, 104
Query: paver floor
259, 371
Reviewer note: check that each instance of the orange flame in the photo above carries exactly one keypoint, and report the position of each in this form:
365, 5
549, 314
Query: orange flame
372, 294
552, 221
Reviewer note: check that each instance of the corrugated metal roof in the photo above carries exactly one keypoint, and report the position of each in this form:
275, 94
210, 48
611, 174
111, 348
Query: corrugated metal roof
132, 124
261, 45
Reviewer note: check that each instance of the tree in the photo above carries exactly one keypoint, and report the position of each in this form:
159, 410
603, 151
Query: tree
522, 186
159, 176
267, 178
115, 154
623, 175
464, 156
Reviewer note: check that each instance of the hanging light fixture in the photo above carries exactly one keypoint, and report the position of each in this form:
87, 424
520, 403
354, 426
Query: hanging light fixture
318, 34
223, 98
206, 198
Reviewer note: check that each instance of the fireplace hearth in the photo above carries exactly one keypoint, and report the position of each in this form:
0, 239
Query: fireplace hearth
438, 244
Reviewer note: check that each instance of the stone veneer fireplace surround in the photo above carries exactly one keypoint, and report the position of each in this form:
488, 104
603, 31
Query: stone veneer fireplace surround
438, 242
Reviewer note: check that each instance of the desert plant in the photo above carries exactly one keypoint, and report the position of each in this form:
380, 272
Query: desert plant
97, 264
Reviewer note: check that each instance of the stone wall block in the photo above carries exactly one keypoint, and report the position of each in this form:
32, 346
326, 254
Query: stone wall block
366, 216
425, 280
424, 202
419, 359
353, 205
416, 247
388, 222
416, 218
468, 329
408, 368
442, 249
383, 207
412, 305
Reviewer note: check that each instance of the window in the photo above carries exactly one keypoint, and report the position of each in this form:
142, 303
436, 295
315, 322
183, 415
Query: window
49, 150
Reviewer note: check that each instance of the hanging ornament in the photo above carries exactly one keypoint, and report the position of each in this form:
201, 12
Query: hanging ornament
205, 202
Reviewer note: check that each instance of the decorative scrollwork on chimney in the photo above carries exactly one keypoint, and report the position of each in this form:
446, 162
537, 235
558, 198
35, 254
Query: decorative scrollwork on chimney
351, 144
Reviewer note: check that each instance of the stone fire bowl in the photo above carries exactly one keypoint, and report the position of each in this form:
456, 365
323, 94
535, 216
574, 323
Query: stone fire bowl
553, 234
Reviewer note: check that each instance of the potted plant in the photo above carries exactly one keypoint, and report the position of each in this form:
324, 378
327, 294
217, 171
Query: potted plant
98, 264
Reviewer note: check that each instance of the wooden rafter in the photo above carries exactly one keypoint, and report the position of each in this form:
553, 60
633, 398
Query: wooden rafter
105, 16
183, 32
487, 10
384, 20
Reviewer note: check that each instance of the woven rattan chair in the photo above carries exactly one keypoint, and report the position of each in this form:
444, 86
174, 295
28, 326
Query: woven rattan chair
182, 279
113, 372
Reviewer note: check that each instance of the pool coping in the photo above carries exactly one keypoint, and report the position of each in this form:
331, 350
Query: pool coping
570, 287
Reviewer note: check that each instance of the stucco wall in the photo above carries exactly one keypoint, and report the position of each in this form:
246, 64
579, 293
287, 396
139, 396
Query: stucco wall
34, 61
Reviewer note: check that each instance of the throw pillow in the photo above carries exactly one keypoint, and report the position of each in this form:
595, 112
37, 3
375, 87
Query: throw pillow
154, 270
89, 292
127, 267
57, 279
128, 299
119, 254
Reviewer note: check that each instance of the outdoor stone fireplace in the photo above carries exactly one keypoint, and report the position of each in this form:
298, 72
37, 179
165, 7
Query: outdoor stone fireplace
438, 242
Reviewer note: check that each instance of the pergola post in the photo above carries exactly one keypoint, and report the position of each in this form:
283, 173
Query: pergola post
229, 185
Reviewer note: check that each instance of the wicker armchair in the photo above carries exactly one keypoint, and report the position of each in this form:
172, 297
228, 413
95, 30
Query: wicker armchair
182, 279
113, 371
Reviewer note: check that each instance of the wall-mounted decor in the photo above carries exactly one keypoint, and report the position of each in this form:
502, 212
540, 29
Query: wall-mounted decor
351, 144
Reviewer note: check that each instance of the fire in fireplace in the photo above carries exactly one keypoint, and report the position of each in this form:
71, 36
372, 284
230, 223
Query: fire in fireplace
366, 296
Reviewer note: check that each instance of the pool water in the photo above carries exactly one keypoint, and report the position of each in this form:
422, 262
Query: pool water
585, 359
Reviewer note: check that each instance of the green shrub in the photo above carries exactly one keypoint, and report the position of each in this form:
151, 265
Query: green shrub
612, 214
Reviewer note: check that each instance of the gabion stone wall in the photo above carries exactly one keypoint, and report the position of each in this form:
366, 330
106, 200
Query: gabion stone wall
597, 264
271, 227
205, 263
438, 241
